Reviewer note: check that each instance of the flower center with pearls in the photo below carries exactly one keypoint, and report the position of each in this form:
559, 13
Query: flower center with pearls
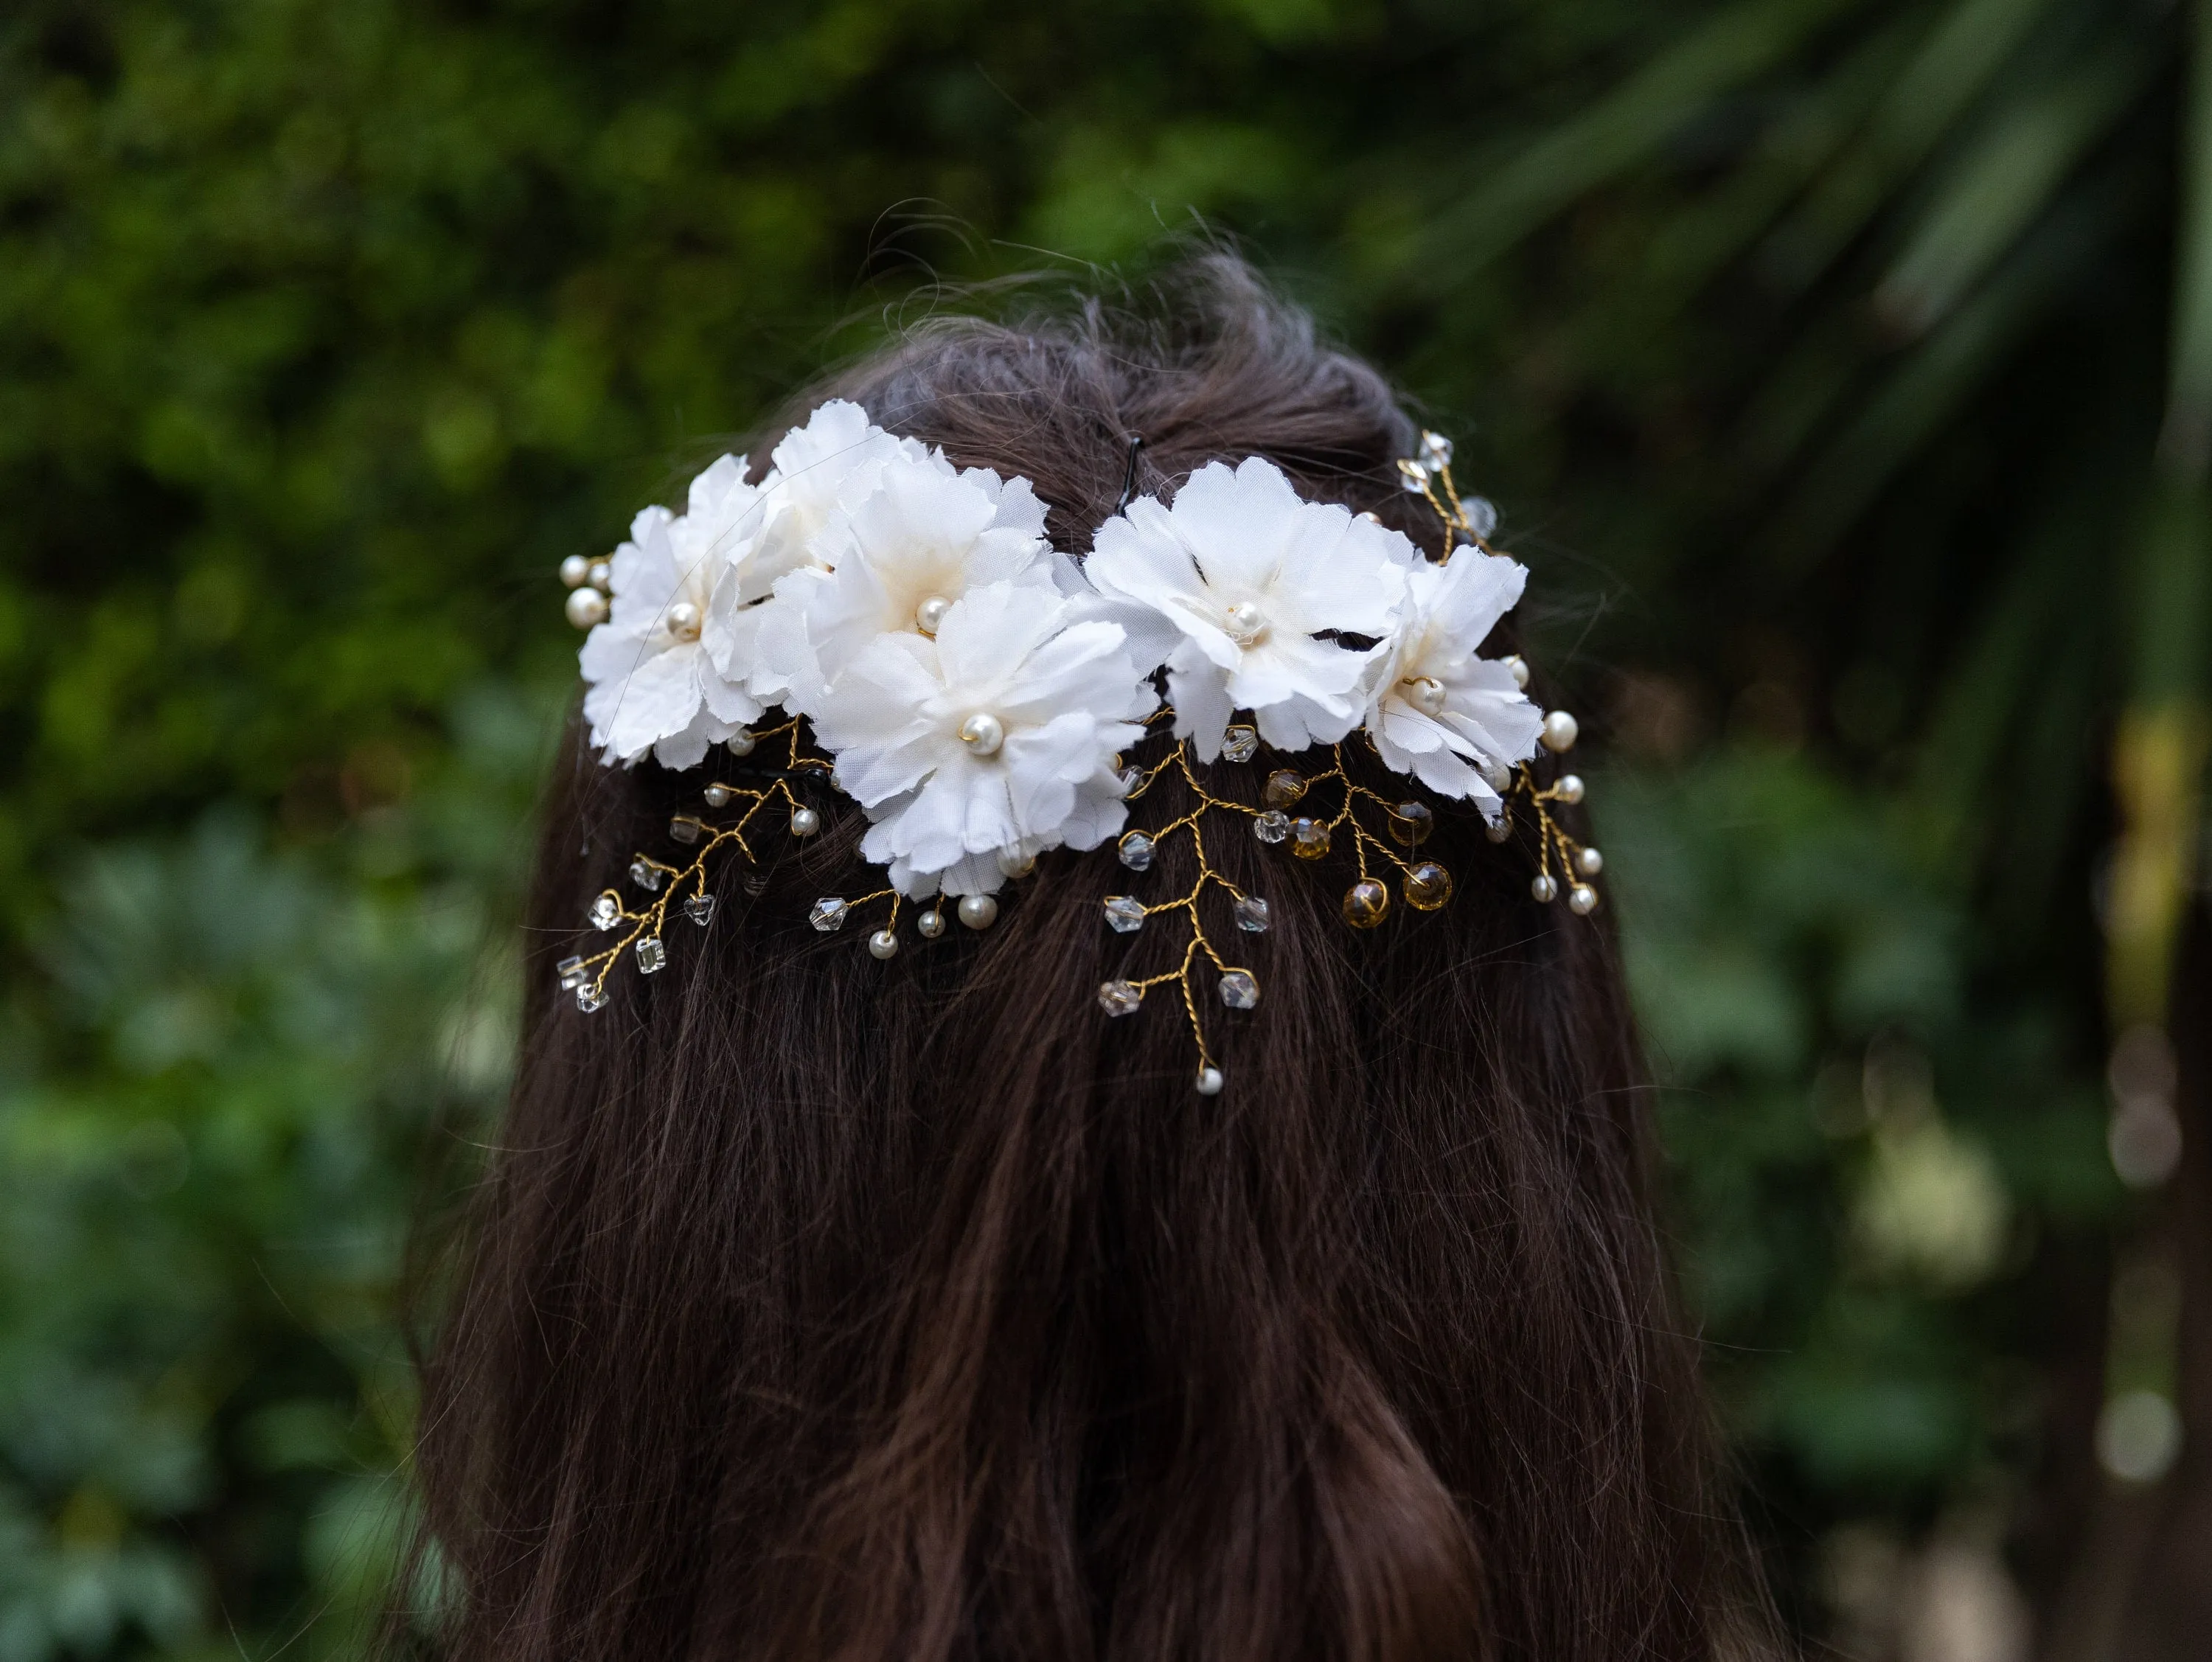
1425, 693
1245, 623
931, 613
983, 733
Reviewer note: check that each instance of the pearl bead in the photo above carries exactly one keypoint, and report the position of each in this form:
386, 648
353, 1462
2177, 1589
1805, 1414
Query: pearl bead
1589, 862
882, 944
574, 570
804, 822
1012, 862
718, 796
1582, 899
1425, 694
599, 575
1209, 1080
1519, 666
683, 621
586, 606
1569, 788
930, 613
1560, 730
978, 911
740, 743
1500, 830
983, 733
930, 924
1247, 625
1545, 887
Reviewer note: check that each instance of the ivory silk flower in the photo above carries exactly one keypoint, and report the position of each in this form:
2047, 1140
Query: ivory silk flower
1456, 721
998, 735
1249, 576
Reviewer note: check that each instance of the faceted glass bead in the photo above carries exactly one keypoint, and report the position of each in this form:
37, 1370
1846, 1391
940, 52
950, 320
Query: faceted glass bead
571, 971
1239, 991
652, 956
590, 996
1240, 744
1412, 821
607, 912
1436, 452
645, 874
1119, 998
1480, 515
1125, 913
1308, 838
1428, 886
700, 909
685, 829
1413, 475
1366, 903
1137, 851
1271, 826
828, 914
1130, 778
1251, 914
1284, 786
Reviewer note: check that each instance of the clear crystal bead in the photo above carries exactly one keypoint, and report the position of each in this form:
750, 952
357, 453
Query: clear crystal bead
644, 873
571, 971
1125, 913
1271, 826
652, 956
1413, 476
828, 914
1239, 991
685, 829
1436, 452
1480, 515
590, 996
700, 909
1137, 851
1130, 778
1240, 744
607, 912
1251, 914
1119, 998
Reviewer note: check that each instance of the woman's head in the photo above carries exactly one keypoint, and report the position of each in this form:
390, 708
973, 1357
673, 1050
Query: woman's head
818, 1306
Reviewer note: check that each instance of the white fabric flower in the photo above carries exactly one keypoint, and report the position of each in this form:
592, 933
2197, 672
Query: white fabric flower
921, 539
1046, 700
1456, 721
1250, 575
652, 686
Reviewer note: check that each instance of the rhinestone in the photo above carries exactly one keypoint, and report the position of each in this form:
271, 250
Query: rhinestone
590, 996
645, 874
571, 971
685, 829
1125, 913
1428, 887
1119, 998
1308, 838
700, 909
930, 924
1251, 914
1500, 830
1284, 786
586, 609
740, 743
882, 944
1480, 515
718, 796
1545, 887
1239, 991
828, 914
1568, 787
804, 822
1271, 826
1589, 862
1366, 903
1208, 1082
978, 911
652, 956
1240, 744
607, 912
1137, 852
1436, 452
1582, 899
1412, 821
1560, 731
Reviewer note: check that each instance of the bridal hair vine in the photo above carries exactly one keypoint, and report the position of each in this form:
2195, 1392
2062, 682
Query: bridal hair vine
977, 692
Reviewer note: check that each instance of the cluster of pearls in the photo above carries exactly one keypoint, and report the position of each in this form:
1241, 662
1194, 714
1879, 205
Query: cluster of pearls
587, 582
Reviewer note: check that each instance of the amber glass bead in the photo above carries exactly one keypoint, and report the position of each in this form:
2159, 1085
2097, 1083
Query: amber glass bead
1428, 886
1366, 903
1284, 786
1412, 821
1308, 838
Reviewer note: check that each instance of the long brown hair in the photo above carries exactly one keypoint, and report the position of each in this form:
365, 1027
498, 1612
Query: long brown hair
817, 1307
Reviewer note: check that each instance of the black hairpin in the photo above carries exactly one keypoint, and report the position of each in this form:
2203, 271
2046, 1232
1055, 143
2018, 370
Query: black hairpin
1129, 478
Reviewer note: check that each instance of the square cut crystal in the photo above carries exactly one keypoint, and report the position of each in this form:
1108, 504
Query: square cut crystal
645, 874
590, 996
571, 971
652, 956
685, 829
607, 912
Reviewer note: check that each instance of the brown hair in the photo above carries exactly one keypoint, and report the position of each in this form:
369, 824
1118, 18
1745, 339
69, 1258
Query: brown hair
817, 1307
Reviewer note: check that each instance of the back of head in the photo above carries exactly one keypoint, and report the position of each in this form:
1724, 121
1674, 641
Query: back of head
817, 1305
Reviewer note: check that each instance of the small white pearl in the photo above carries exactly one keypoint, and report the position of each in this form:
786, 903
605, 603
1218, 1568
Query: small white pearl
1582, 899
1500, 830
930, 613
930, 924
599, 575
1247, 625
1425, 694
1589, 862
1209, 1080
1012, 862
586, 606
574, 570
978, 911
1371, 516
1498, 776
1519, 666
983, 733
1569, 788
717, 795
683, 621
1545, 887
804, 822
740, 743
1560, 731
882, 944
